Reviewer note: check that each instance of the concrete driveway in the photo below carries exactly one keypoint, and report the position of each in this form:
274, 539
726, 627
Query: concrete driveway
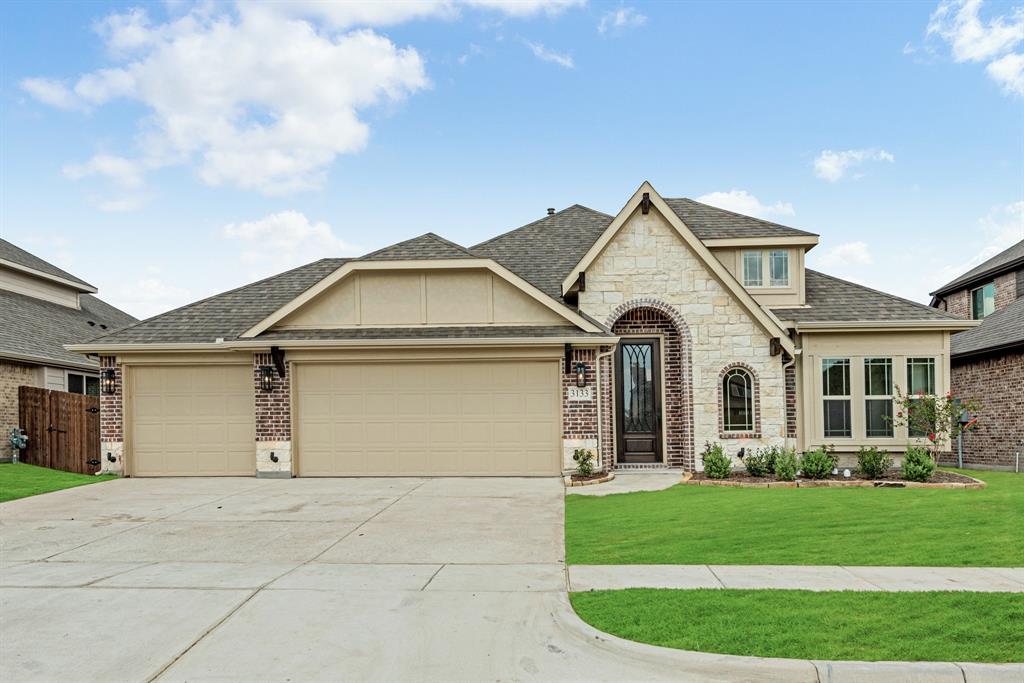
315, 579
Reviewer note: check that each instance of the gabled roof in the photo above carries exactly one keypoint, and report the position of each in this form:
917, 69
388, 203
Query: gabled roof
1003, 329
35, 330
425, 247
712, 223
24, 260
830, 299
225, 315
542, 252
1003, 262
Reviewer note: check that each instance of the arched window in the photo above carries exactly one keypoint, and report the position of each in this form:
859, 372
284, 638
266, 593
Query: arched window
738, 401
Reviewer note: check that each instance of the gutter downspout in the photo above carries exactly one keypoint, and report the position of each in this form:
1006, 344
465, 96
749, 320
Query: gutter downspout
600, 407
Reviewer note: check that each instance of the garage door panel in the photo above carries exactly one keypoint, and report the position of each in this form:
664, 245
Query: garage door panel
441, 418
192, 420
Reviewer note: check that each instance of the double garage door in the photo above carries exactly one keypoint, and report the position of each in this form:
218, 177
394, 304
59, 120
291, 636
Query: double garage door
460, 418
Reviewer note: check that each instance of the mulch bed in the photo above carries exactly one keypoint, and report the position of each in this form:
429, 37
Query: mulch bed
939, 477
589, 477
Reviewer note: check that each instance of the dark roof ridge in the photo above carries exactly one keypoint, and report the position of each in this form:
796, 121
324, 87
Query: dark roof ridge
433, 236
220, 294
742, 215
878, 291
980, 271
540, 220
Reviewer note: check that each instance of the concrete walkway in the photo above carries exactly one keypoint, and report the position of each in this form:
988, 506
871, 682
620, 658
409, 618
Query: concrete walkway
798, 577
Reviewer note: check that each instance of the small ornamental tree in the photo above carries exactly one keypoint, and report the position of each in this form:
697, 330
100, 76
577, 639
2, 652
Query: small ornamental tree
934, 417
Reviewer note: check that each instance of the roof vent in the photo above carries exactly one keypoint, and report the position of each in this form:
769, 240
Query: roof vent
91, 323
551, 211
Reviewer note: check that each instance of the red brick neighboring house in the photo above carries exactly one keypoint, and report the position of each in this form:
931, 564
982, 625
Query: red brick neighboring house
987, 362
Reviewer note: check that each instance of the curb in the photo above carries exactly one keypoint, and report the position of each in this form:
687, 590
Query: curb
589, 482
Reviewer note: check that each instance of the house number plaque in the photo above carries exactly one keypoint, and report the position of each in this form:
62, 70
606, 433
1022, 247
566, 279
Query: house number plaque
581, 394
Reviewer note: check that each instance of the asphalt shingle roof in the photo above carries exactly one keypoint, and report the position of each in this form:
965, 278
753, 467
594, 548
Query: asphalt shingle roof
1001, 329
34, 328
424, 247
9, 252
830, 299
1003, 261
226, 315
710, 222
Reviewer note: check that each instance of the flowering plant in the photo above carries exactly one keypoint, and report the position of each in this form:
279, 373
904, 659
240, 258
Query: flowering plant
935, 417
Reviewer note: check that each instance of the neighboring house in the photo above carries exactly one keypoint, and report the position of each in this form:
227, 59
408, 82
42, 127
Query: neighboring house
639, 336
42, 308
988, 361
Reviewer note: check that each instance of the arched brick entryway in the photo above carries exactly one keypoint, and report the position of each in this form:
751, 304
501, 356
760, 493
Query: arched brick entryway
648, 317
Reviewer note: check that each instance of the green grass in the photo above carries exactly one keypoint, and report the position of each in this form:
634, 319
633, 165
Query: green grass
21, 480
854, 526
948, 627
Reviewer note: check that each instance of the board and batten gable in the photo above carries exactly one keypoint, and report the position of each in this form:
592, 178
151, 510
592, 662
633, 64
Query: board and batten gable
431, 298
647, 260
12, 280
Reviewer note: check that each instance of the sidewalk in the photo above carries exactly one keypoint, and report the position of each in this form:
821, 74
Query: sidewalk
797, 577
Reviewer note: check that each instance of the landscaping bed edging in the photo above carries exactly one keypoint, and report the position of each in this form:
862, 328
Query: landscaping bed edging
833, 483
607, 476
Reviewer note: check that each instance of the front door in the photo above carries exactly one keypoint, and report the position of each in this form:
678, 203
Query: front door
638, 387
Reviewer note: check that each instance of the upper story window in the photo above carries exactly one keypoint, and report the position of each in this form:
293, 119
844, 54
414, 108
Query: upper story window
983, 301
774, 262
738, 401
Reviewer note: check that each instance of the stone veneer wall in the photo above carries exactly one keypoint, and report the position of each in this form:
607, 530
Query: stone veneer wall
996, 381
12, 376
112, 419
273, 420
656, 320
647, 261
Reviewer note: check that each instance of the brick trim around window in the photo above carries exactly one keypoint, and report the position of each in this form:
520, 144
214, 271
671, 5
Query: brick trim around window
722, 433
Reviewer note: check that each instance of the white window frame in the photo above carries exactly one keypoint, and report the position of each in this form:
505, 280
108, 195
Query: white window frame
764, 258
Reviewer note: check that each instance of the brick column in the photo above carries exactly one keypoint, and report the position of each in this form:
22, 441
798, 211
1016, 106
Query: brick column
579, 416
790, 401
273, 421
112, 419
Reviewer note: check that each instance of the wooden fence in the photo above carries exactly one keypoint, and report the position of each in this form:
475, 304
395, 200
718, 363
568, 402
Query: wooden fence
63, 429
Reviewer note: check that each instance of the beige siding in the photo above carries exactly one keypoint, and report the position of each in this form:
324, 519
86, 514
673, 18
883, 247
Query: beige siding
857, 346
399, 298
23, 283
191, 420
732, 259
54, 378
427, 418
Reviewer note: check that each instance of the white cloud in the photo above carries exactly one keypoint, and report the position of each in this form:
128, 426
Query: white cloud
619, 19
283, 240
472, 51
52, 92
122, 171
844, 255
120, 204
833, 166
1001, 228
147, 296
743, 202
547, 55
350, 14
971, 39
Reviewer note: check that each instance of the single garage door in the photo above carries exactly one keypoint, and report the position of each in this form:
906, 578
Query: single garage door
193, 420
458, 418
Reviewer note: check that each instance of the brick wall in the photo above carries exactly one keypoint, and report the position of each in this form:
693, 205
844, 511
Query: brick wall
791, 401
959, 303
273, 414
996, 382
111, 405
676, 397
12, 376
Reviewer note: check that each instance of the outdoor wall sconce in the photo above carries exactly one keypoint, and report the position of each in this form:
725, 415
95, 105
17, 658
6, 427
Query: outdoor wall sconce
267, 378
108, 380
581, 375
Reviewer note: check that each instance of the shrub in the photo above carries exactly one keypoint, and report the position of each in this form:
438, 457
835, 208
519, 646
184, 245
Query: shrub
785, 464
818, 464
917, 464
759, 463
584, 460
873, 462
717, 465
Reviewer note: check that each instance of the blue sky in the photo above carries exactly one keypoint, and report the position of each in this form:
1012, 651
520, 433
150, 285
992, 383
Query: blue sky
165, 152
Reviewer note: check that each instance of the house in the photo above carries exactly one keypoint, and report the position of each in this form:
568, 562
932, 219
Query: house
639, 336
988, 361
42, 308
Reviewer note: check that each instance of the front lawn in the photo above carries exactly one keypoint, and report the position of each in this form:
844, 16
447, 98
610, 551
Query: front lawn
948, 627
21, 480
851, 526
